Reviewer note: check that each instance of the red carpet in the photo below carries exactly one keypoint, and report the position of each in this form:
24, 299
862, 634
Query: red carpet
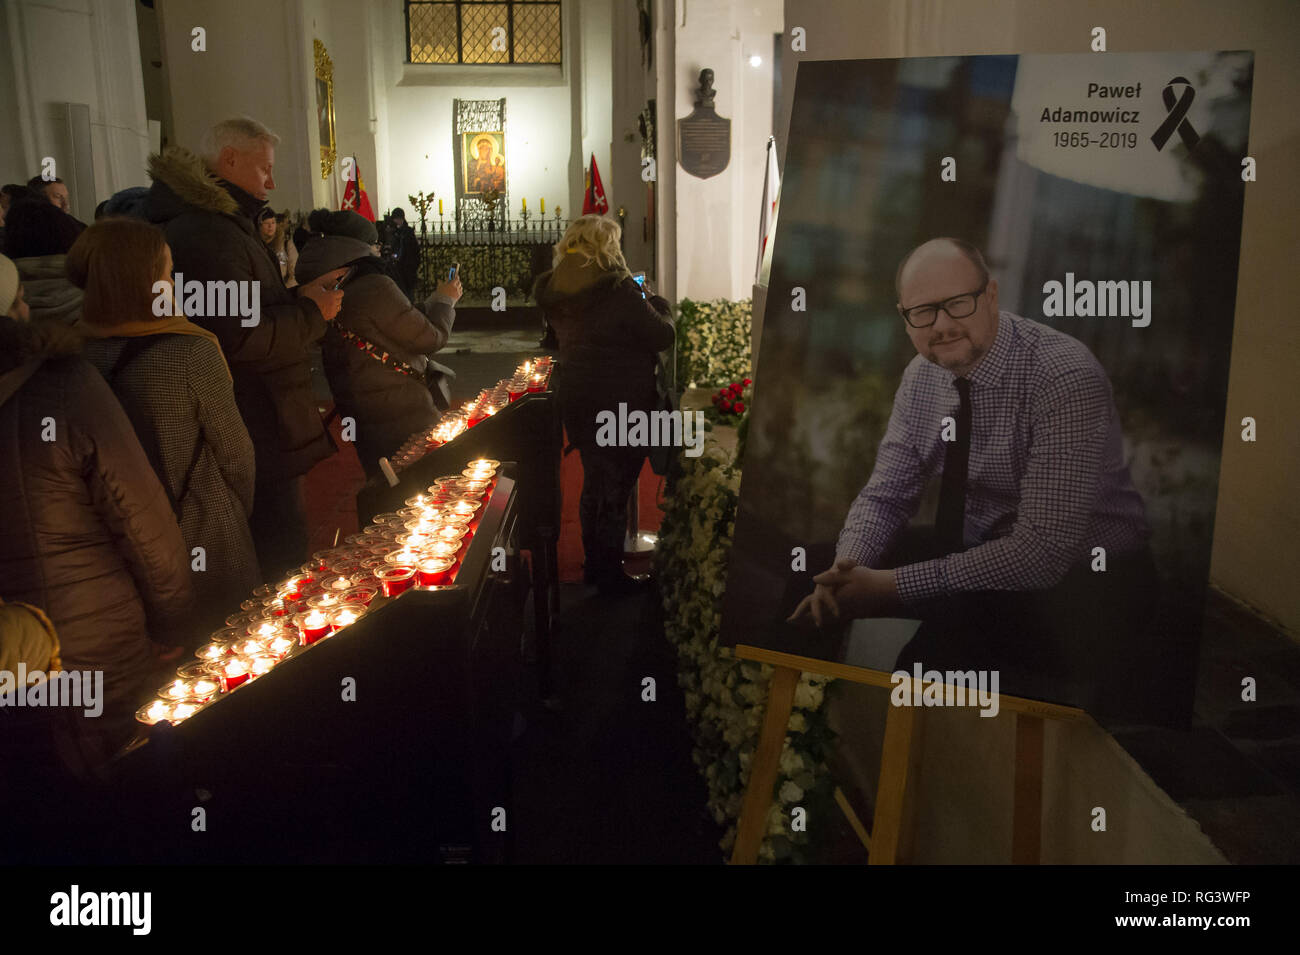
570, 548
331, 490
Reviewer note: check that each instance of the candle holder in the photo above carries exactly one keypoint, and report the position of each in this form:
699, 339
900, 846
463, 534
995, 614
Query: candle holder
394, 581
281, 645
158, 711
362, 594
346, 615
233, 673
435, 571
260, 664
313, 625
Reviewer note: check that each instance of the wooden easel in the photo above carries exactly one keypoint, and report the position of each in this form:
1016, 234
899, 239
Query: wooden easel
895, 759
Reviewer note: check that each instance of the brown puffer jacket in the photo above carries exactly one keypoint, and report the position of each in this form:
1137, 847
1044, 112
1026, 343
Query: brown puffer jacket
89, 536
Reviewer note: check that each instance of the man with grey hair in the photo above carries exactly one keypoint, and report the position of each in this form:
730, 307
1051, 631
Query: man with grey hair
208, 205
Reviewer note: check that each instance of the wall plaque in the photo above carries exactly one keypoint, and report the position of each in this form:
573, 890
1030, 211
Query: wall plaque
704, 137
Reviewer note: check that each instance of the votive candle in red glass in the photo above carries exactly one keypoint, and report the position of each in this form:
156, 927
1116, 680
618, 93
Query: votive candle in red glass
434, 571
395, 580
313, 625
363, 594
233, 672
345, 616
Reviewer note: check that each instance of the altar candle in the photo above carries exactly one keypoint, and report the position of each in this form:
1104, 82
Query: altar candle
523, 204
328, 601
439, 207
312, 625
234, 673
536, 383
543, 205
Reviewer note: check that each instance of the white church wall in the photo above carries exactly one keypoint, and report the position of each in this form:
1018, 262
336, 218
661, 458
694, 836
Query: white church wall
717, 218
96, 49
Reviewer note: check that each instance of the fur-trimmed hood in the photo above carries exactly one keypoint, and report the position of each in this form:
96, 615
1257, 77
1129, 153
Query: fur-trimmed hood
20, 341
182, 183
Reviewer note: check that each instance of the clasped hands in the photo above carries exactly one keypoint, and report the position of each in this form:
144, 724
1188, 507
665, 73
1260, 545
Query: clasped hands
848, 591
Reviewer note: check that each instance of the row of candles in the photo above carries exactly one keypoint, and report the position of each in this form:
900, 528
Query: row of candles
417, 546
529, 377
523, 204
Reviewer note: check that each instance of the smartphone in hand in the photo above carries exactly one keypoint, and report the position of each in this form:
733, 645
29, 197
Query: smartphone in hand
452, 272
344, 277
639, 278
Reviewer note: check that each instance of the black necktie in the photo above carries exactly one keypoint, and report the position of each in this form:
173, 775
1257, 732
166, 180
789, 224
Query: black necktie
952, 492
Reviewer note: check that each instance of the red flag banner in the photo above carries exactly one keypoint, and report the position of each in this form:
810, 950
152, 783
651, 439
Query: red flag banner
354, 196
594, 202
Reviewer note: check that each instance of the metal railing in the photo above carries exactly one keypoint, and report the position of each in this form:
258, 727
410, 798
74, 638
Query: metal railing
507, 253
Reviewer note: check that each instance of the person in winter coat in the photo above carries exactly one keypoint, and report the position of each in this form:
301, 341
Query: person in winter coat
609, 336
275, 233
406, 251
388, 404
173, 382
37, 237
89, 536
207, 208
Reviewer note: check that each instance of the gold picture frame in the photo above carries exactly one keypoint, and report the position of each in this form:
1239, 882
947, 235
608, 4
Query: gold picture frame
325, 108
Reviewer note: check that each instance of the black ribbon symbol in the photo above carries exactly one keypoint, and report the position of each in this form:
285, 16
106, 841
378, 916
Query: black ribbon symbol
1177, 118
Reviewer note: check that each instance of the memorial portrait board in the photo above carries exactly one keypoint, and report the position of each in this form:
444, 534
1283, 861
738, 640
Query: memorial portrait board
993, 372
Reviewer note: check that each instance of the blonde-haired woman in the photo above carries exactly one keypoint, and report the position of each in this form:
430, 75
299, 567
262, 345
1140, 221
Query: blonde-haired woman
610, 334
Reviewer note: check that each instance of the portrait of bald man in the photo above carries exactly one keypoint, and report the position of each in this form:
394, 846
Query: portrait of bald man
1018, 422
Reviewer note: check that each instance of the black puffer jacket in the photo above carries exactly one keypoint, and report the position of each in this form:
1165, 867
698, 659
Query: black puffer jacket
89, 536
609, 338
210, 228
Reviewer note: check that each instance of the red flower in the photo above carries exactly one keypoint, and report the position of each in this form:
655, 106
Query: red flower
726, 406
749, 381
740, 407
736, 389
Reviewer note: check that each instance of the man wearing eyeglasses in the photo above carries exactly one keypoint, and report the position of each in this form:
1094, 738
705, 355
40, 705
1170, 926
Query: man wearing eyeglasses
1019, 421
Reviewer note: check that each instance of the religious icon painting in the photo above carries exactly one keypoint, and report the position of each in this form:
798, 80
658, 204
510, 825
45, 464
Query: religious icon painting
483, 162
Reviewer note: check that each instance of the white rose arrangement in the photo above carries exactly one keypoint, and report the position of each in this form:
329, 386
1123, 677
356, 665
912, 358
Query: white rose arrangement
725, 697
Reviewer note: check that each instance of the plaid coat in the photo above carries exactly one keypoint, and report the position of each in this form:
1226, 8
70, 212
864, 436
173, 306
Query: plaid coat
181, 392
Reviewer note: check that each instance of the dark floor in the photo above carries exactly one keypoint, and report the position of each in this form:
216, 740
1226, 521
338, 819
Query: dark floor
609, 778
1237, 769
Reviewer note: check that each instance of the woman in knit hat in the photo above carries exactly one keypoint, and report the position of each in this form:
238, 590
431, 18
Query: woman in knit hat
390, 400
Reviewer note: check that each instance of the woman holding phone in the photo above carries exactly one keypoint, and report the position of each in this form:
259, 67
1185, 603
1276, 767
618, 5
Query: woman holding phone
610, 334
388, 399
